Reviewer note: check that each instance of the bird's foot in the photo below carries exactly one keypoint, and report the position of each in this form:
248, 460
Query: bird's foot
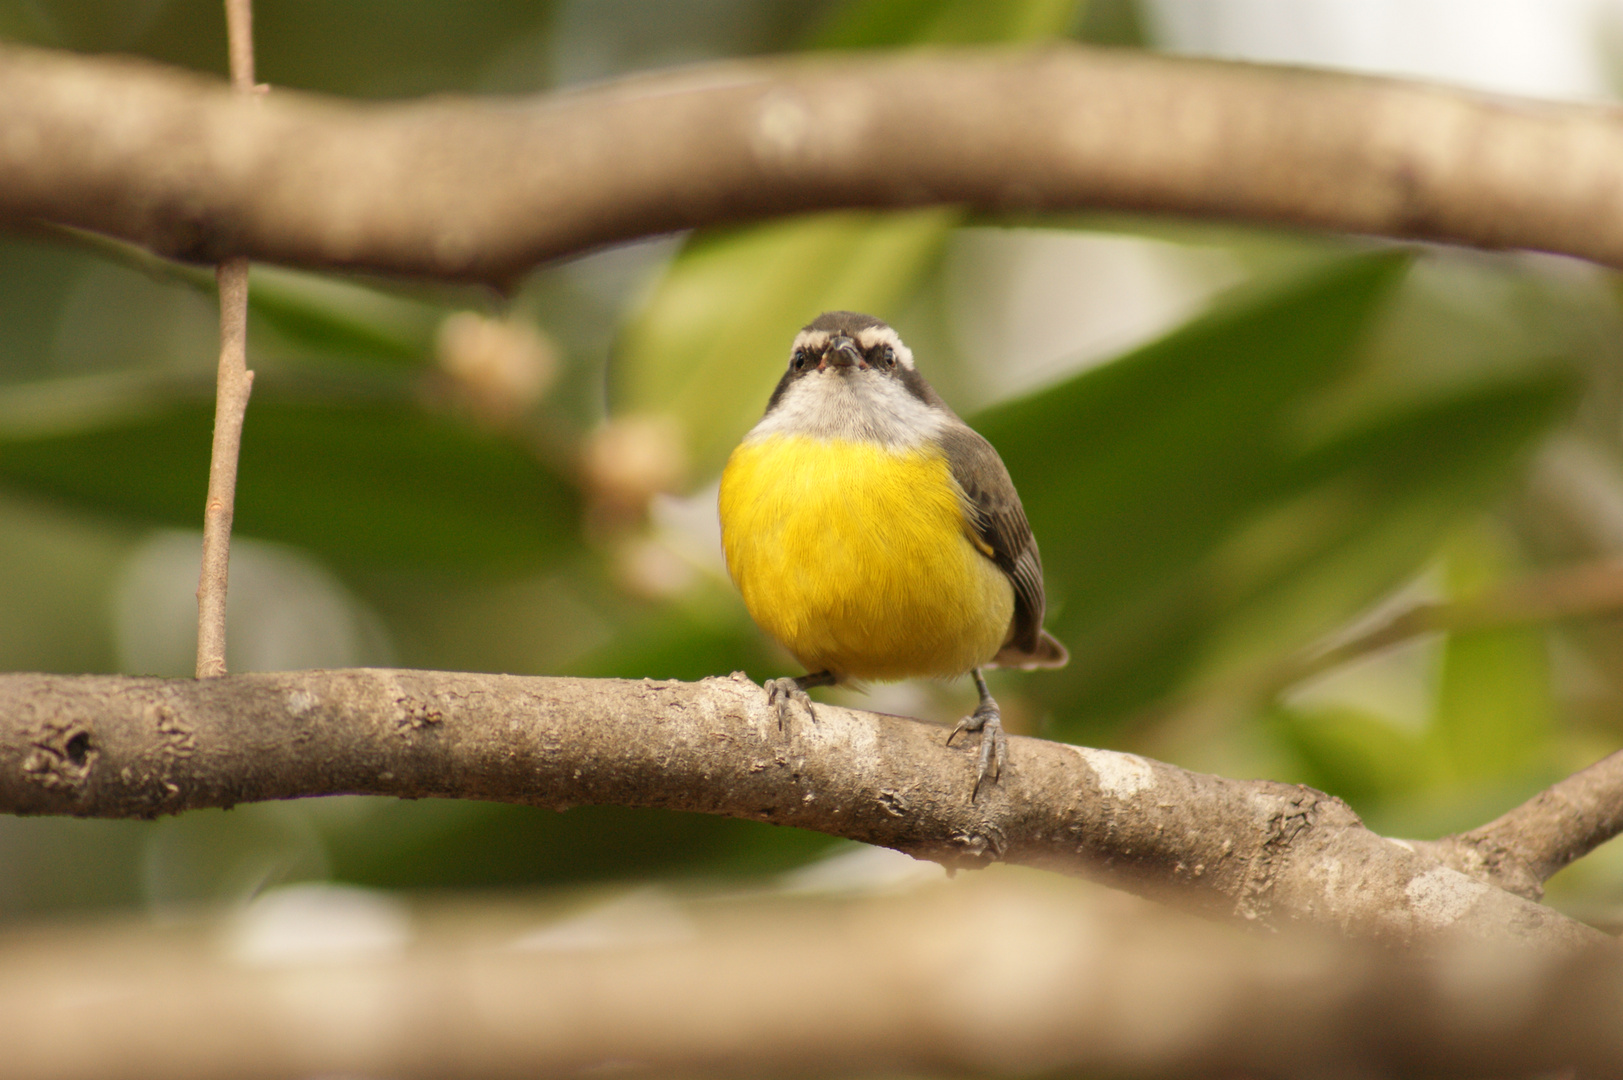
987, 720
782, 693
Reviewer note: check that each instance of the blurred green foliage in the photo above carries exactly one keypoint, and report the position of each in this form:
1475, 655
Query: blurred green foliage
1200, 504
493, 507
1345, 426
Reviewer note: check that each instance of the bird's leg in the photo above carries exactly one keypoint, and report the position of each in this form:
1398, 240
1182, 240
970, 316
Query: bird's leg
780, 692
987, 720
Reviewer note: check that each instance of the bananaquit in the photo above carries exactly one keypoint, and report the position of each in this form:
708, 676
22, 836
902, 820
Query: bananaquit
875, 535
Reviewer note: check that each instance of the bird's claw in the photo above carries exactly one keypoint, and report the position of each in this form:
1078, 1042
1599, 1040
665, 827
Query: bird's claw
987, 720
780, 693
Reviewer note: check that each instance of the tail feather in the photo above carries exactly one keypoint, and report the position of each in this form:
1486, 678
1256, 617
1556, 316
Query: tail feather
1049, 653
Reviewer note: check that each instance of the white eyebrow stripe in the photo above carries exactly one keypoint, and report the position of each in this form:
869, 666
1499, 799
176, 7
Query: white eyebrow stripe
885, 335
810, 340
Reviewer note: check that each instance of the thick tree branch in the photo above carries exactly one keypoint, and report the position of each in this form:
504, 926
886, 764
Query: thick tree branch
1254, 851
484, 190
988, 975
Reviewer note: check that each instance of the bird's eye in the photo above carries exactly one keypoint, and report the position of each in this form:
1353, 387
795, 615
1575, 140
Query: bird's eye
799, 361
886, 356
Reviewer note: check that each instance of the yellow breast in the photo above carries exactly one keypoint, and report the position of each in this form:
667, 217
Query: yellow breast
857, 558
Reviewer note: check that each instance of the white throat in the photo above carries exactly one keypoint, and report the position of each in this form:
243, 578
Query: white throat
853, 405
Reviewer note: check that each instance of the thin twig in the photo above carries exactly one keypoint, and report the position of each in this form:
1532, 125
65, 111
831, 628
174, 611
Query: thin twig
1258, 851
239, 32
1574, 592
1568, 593
234, 384
485, 190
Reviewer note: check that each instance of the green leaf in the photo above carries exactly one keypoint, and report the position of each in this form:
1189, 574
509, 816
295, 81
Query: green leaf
326, 314
1138, 468
440, 842
1495, 710
1185, 515
671, 643
1359, 757
1387, 495
335, 317
712, 340
871, 23
358, 479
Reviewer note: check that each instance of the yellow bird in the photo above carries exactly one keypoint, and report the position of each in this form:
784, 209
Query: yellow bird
876, 535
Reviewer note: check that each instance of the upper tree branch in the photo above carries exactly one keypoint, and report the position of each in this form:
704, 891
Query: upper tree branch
1258, 851
483, 190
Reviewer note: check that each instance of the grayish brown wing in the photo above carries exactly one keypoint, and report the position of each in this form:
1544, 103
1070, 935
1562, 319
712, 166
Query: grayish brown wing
998, 522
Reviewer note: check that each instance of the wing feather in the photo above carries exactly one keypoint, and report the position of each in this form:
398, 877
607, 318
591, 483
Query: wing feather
998, 526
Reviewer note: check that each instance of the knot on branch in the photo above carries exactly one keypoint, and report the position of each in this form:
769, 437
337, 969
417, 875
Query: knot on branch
175, 738
61, 757
969, 850
415, 714
1287, 814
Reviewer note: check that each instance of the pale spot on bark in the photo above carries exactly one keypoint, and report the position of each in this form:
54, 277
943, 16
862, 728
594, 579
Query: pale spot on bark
1121, 776
782, 122
1440, 896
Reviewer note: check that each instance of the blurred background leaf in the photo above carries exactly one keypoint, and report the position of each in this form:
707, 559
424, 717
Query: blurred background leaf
322, 472
866, 24
708, 345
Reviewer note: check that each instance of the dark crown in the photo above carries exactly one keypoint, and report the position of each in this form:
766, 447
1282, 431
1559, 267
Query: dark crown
843, 322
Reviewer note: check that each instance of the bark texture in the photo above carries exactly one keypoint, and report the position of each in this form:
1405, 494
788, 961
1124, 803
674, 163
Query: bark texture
1256, 851
999, 974
485, 189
